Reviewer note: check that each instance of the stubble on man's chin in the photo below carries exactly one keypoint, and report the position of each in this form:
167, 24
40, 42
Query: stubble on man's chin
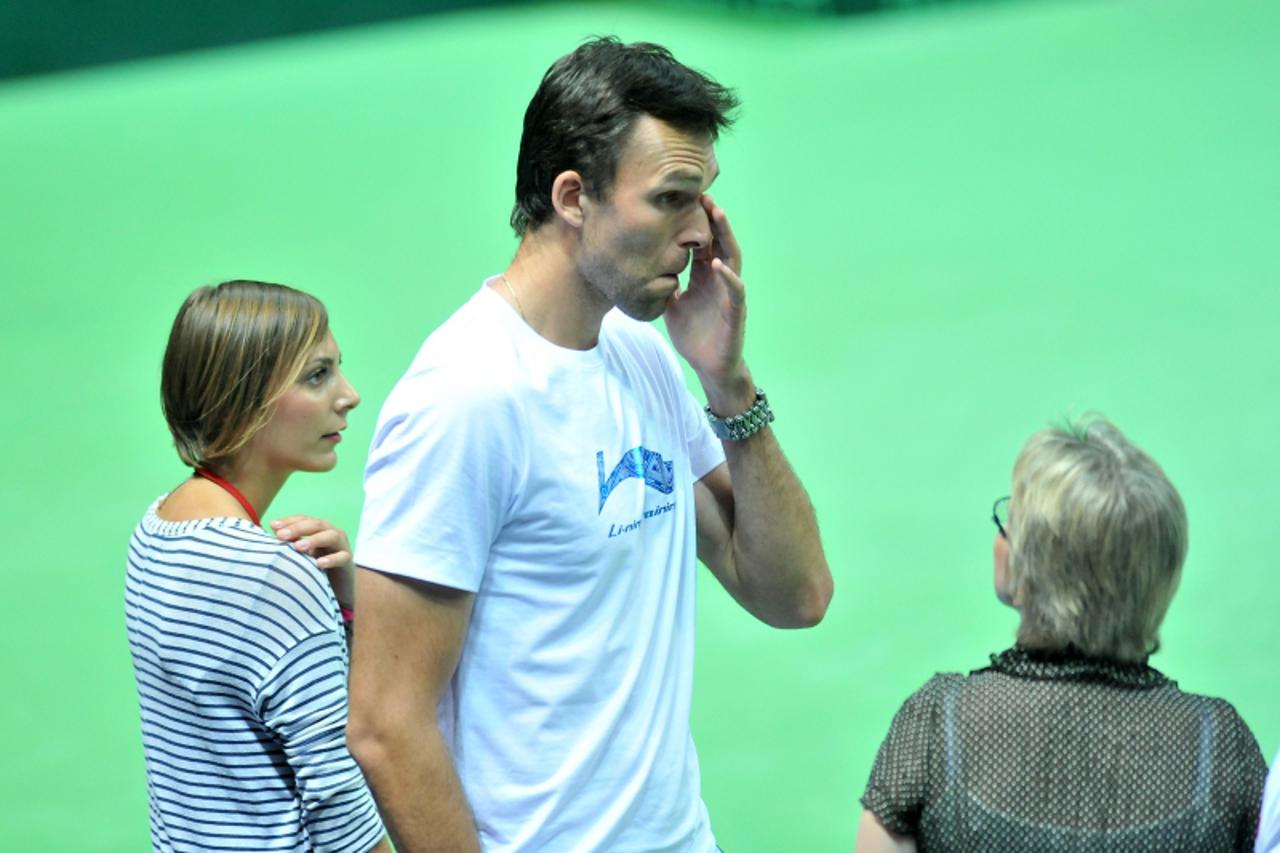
632, 301
645, 312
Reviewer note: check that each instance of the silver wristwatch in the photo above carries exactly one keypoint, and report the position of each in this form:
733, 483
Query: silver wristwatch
744, 425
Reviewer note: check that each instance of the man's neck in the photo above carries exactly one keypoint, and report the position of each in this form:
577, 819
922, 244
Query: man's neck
544, 285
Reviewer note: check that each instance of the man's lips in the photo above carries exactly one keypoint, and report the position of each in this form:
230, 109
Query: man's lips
684, 265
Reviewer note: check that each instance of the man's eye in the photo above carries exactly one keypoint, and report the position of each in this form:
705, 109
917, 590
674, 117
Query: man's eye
672, 199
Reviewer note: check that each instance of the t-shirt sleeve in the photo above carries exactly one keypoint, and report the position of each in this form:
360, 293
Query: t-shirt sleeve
440, 479
302, 701
899, 785
706, 453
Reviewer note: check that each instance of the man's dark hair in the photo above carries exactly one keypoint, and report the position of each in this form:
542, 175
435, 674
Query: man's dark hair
585, 106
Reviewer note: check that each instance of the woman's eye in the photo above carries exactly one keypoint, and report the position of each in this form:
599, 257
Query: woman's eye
317, 376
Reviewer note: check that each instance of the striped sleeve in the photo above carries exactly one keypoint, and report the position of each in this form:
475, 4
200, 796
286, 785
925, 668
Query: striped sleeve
303, 703
241, 673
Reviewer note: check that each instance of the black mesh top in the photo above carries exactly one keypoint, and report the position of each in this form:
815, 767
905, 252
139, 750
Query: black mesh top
1059, 751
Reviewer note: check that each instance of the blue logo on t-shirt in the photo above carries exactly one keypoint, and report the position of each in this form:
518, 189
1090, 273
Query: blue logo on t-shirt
636, 462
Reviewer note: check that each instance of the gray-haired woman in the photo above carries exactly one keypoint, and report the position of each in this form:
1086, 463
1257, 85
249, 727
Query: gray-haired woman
1069, 740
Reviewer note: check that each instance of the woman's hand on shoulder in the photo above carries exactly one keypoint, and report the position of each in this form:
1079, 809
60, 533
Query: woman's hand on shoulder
326, 544
315, 537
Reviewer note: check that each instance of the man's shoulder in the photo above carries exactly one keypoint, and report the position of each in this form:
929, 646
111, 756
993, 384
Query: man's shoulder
468, 348
472, 332
464, 370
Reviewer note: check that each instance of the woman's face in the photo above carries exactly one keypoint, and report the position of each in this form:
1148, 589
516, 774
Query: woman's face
304, 429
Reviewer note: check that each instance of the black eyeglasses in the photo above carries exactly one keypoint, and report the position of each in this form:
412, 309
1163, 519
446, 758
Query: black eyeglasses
1000, 515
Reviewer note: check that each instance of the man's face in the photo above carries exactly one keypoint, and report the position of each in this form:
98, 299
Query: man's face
637, 240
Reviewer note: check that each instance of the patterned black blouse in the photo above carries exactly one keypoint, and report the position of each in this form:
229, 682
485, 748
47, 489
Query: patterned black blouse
1059, 751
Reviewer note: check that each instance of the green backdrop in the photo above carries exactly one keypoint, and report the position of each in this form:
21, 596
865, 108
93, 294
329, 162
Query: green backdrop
959, 224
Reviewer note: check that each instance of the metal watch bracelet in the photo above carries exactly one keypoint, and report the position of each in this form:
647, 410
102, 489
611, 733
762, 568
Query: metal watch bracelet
744, 425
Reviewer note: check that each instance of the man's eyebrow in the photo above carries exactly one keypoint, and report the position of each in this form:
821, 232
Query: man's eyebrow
690, 176
683, 176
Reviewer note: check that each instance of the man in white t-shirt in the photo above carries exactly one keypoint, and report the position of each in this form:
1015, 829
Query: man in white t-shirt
541, 485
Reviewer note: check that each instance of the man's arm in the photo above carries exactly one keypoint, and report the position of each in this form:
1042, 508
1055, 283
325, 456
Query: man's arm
756, 527
758, 535
409, 640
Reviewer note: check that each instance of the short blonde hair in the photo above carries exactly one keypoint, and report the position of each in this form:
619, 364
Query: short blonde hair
1097, 539
233, 351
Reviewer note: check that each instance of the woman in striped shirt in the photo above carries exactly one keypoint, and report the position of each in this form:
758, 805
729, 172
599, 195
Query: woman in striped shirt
237, 634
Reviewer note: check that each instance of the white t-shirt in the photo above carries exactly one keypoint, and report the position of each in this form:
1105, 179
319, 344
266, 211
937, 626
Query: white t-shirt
557, 485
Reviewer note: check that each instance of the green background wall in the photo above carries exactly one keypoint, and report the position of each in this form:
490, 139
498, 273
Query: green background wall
959, 224
54, 35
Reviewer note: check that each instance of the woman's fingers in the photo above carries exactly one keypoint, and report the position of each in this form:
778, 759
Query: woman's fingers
316, 538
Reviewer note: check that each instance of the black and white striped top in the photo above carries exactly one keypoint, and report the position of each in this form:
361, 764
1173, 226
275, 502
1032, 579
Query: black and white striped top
241, 666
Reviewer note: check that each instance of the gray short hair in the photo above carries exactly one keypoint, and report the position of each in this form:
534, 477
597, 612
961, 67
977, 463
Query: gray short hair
1097, 539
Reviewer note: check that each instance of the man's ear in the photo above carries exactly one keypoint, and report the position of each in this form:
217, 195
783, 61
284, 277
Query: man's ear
568, 197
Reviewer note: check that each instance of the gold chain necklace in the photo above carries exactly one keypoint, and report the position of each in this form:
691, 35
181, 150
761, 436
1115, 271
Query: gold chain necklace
514, 296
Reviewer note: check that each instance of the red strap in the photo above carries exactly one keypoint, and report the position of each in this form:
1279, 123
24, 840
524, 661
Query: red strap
231, 490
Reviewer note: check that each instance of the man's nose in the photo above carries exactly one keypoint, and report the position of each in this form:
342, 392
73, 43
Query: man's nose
697, 232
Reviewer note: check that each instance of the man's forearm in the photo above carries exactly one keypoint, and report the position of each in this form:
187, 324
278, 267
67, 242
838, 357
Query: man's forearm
776, 551
418, 793
776, 547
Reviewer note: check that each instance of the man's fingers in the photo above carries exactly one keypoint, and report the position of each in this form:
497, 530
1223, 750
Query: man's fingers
732, 281
723, 241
